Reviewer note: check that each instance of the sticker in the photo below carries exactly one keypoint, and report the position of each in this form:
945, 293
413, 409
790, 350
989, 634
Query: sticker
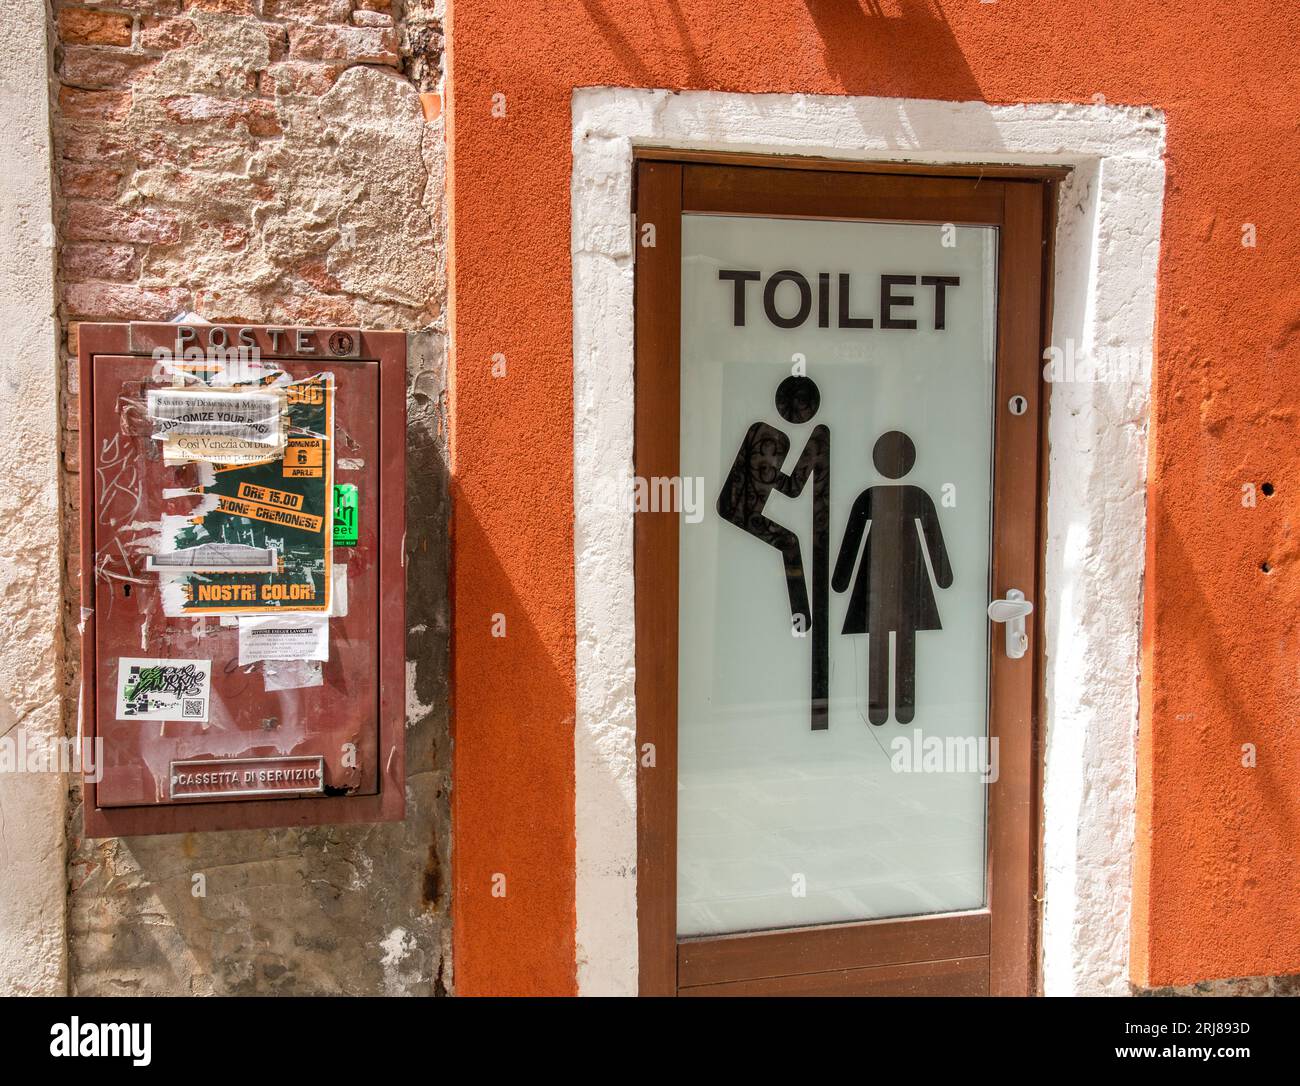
258, 505
154, 689
244, 416
283, 637
345, 515
304, 458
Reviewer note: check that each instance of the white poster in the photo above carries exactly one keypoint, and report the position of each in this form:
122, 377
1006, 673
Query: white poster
255, 418
283, 637
155, 689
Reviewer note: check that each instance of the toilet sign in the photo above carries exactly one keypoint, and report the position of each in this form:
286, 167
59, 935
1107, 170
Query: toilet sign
837, 383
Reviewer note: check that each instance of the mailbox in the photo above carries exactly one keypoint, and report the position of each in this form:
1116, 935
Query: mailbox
242, 586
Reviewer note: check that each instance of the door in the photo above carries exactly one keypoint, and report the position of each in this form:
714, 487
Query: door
838, 378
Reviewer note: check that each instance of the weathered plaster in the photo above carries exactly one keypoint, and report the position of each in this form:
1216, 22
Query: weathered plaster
240, 177
32, 958
1107, 242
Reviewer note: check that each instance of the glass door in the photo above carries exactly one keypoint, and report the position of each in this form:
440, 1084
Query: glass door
836, 404
843, 367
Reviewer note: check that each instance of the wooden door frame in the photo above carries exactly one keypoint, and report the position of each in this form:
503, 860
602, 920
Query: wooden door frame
991, 950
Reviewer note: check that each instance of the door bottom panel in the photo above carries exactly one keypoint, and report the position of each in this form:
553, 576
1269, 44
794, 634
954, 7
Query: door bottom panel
949, 977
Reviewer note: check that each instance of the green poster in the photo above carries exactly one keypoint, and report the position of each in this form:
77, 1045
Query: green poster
266, 546
345, 515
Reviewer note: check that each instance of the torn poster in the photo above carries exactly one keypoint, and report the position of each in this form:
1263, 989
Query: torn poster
291, 675
248, 416
216, 558
265, 506
214, 449
283, 637
163, 689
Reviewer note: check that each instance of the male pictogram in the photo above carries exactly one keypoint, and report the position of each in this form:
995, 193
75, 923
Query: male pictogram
756, 472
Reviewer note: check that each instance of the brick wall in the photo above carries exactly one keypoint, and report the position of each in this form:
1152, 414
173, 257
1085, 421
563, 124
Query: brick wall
274, 161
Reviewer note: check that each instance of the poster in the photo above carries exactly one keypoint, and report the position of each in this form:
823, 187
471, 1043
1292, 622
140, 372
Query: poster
226, 421
281, 503
163, 689
283, 637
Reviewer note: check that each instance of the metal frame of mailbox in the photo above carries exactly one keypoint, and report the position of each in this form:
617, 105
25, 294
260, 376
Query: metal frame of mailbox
388, 804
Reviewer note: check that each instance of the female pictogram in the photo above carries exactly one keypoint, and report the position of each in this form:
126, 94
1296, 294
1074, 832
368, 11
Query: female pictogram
892, 592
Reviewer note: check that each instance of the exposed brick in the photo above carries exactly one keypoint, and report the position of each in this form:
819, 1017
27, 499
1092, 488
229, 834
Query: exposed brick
300, 78
372, 18
308, 11
287, 308
122, 301
149, 7
71, 411
313, 309
262, 119
258, 116
81, 144
314, 273
222, 7
277, 37
89, 27
354, 44
86, 220
94, 105
163, 35
88, 260
234, 236
375, 5
95, 67
89, 179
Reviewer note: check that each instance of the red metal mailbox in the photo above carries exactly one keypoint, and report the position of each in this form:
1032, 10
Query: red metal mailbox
243, 585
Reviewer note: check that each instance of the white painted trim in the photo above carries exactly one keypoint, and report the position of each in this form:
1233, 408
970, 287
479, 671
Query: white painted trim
33, 875
1105, 285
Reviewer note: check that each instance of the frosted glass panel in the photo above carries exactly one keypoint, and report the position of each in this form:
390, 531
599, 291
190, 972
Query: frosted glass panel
833, 591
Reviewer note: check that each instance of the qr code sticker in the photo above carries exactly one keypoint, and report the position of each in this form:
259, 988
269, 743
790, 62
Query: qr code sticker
192, 707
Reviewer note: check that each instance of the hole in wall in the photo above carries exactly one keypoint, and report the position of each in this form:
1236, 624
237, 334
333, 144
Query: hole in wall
1266, 567
1267, 488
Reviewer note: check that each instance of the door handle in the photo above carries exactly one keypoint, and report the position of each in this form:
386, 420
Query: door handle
1012, 612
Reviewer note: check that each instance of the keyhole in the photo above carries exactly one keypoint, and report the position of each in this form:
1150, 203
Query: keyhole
126, 590
1019, 405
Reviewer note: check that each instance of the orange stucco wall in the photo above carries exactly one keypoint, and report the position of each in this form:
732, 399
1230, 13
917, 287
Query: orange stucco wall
1218, 859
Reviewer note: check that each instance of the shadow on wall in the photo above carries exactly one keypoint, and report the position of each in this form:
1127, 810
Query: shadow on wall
871, 52
357, 909
865, 49
515, 874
